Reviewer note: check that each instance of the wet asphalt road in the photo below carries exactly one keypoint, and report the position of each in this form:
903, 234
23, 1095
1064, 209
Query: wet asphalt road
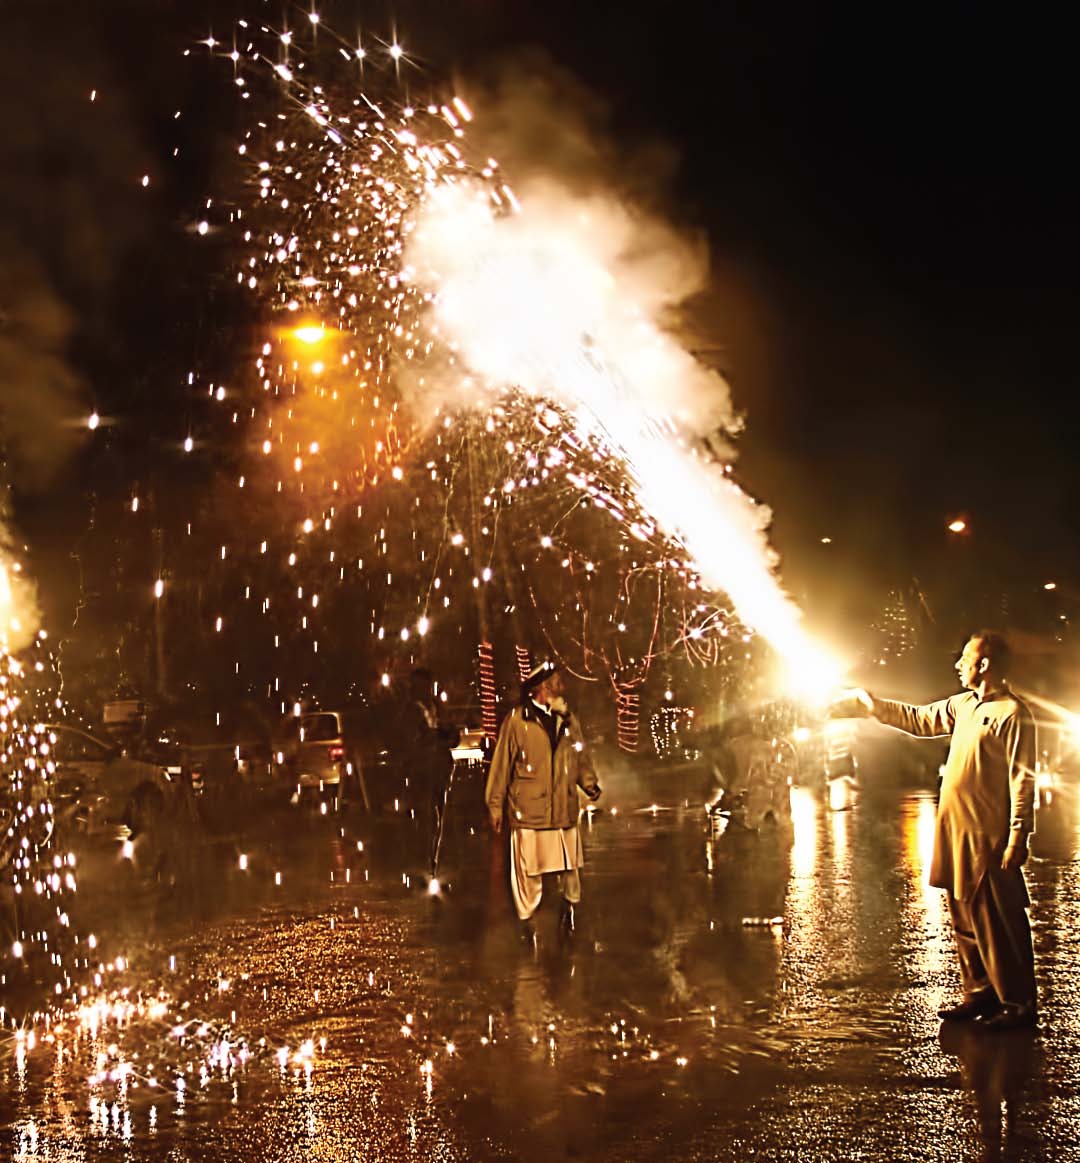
667, 1028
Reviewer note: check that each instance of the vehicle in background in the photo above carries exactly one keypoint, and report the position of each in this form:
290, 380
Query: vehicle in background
254, 761
470, 756
221, 751
1051, 781
319, 750
471, 747
99, 783
840, 761
841, 766
357, 755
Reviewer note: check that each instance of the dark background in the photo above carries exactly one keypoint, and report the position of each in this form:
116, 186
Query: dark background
889, 201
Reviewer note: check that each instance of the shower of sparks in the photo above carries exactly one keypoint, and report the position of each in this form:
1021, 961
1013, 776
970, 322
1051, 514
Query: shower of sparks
61, 995
457, 393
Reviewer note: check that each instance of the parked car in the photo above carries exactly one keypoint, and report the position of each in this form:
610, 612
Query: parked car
101, 783
357, 754
318, 750
471, 748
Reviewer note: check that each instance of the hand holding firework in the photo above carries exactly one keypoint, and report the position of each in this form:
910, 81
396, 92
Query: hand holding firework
852, 704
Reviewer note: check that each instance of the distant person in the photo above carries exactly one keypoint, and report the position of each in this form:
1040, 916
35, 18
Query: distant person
425, 748
539, 762
755, 791
985, 815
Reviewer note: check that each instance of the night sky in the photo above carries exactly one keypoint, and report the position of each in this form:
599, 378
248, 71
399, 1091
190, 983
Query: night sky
889, 200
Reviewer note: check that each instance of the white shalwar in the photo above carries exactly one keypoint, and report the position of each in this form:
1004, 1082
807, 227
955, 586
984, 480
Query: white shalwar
534, 851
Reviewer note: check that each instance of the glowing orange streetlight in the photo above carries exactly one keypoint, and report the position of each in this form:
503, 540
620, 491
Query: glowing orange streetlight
957, 525
309, 333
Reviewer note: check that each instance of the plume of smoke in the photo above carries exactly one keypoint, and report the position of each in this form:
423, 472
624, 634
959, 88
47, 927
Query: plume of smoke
571, 272
571, 291
69, 210
593, 209
38, 386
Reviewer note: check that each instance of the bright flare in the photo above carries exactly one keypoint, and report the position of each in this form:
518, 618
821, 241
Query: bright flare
310, 333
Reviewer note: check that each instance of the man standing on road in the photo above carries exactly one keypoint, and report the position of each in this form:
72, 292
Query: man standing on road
425, 748
539, 763
985, 815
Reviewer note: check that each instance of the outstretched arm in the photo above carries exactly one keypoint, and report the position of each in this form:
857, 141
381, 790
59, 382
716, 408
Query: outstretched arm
927, 720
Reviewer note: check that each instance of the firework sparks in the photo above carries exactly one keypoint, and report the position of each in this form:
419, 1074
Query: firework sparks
437, 316
528, 301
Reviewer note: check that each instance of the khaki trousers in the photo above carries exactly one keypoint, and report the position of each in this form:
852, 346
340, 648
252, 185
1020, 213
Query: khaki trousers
993, 939
527, 889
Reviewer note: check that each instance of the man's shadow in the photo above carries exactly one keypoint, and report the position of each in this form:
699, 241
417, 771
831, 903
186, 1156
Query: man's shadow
996, 1068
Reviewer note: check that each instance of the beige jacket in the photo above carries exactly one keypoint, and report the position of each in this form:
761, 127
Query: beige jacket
539, 789
988, 786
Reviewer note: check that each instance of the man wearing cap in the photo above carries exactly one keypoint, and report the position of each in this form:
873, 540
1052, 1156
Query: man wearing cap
539, 763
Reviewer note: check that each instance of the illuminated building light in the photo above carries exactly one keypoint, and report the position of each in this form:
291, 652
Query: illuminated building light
670, 728
488, 707
628, 716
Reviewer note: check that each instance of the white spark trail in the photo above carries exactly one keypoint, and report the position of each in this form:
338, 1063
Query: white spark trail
534, 300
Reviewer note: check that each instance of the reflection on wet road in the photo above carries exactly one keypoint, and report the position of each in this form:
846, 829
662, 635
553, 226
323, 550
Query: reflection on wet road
744, 996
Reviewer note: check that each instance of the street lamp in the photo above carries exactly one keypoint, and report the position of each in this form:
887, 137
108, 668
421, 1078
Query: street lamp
309, 333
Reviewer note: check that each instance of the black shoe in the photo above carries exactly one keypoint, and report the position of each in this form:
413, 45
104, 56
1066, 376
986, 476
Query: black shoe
566, 918
1009, 1017
981, 1005
527, 933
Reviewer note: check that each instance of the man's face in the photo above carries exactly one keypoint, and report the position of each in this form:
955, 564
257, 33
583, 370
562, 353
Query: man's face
968, 666
553, 688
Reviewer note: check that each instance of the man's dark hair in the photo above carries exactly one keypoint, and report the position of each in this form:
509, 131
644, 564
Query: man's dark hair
993, 645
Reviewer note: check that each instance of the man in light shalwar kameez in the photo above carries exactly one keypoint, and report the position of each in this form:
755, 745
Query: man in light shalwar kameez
985, 814
539, 763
